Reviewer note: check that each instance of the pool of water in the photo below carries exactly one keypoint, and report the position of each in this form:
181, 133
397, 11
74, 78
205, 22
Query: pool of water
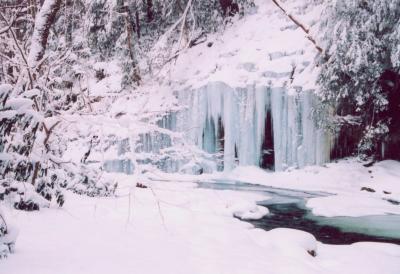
287, 209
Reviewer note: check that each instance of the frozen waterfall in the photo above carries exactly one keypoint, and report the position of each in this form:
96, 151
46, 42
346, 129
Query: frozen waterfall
257, 125
254, 126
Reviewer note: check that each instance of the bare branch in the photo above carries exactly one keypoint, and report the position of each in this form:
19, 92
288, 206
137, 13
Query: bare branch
183, 18
299, 24
18, 46
49, 131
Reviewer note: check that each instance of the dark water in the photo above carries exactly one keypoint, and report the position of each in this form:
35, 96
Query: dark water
294, 215
287, 209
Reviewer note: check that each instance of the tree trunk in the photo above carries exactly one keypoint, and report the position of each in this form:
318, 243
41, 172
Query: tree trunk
137, 23
149, 10
45, 18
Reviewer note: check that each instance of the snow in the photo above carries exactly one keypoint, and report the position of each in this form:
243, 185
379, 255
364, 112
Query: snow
278, 46
247, 211
175, 228
5, 88
8, 235
111, 84
293, 240
349, 205
7, 114
31, 93
11, 236
20, 104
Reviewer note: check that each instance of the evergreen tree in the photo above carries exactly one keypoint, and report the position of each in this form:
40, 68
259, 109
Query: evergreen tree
361, 41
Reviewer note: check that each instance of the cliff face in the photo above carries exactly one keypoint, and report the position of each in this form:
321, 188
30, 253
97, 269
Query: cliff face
249, 91
265, 48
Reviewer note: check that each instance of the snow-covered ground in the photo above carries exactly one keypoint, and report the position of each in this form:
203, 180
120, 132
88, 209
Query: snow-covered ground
178, 228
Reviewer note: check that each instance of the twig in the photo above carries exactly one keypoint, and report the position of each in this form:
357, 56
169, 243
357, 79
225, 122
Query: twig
128, 220
10, 60
59, 163
4, 30
19, 48
159, 207
189, 4
4, 221
15, 6
49, 131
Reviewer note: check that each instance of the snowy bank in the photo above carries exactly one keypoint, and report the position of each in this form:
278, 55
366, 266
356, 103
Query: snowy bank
176, 228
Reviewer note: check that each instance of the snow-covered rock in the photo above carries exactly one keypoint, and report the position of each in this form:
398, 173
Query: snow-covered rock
247, 210
292, 240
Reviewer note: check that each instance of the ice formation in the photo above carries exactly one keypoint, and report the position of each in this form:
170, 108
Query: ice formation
256, 125
260, 126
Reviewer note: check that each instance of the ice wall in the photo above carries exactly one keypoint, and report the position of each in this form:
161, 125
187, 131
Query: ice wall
256, 125
149, 146
236, 123
119, 165
297, 140
152, 147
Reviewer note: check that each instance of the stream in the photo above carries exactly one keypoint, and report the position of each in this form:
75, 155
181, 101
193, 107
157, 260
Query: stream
287, 209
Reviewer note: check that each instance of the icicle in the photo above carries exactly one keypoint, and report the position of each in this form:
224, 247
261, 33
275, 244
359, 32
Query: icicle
254, 126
